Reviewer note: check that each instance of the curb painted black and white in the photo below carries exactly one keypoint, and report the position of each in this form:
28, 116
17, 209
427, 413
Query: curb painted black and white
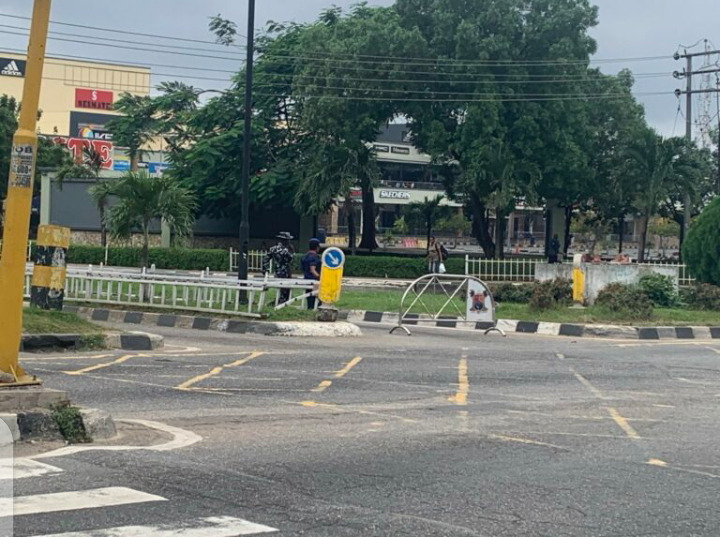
130, 341
202, 323
549, 329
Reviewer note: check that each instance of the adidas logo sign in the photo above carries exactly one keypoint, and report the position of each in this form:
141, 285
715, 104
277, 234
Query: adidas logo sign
11, 69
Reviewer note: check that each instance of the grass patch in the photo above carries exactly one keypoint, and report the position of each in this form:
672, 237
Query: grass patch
37, 321
389, 301
70, 423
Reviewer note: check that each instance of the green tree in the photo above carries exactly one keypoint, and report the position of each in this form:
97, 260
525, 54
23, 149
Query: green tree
50, 155
693, 173
611, 126
701, 251
101, 192
488, 95
425, 213
135, 127
142, 200
650, 163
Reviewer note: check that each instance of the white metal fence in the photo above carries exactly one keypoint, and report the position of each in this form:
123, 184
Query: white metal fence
249, 298
523, 270
501, 270
255, 260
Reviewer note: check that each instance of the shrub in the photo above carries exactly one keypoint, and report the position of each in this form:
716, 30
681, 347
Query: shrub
660, 290
701, 249
70, 423
395, 267
162, 258
513, 293
551, 294
630, 301
702, 296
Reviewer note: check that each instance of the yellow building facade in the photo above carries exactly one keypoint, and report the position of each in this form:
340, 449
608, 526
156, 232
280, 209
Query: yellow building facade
77, 99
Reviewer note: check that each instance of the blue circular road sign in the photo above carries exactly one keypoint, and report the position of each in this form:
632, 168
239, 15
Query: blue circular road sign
333, 258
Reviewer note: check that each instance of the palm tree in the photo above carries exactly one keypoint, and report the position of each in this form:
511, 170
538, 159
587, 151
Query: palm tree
136, 127
101, 193
428, 212
143, 199
650, 160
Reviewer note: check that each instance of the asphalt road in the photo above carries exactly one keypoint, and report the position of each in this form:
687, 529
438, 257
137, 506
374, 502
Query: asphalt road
444, 433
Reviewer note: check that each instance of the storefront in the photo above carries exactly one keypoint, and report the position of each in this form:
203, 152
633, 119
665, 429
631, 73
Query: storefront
77, 100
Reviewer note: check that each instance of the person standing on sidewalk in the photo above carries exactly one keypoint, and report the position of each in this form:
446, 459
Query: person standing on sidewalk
434, 256
554, 249
311, 266
282, 256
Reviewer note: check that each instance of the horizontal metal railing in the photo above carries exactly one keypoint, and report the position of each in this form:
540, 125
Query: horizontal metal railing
255, 260
523, 270
211, 294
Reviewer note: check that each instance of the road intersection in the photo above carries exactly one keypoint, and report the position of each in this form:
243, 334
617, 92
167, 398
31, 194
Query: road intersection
442, 433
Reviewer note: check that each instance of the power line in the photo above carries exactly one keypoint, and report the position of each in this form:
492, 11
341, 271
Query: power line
489, 100
128, 63
128, 32
458, 93
408, 61
292, 77
178, 47
128, 47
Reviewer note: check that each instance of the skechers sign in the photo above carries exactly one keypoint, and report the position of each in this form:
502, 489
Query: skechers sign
93, 99
10, 67
394, 195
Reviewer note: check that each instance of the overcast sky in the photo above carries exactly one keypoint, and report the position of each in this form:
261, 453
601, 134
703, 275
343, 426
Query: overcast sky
628, 28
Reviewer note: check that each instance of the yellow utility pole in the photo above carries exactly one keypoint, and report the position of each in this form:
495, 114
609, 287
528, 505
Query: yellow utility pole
19, 200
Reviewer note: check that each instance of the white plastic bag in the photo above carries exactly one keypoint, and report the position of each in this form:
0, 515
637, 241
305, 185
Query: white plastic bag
442, 269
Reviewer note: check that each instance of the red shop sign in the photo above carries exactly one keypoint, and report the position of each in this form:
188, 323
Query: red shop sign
93, 99
76, 146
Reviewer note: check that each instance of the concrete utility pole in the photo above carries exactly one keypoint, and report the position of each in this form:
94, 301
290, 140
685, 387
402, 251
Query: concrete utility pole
245, 207
23, 159
689, 92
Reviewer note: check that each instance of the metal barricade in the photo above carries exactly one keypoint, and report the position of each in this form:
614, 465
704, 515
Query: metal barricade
451, 298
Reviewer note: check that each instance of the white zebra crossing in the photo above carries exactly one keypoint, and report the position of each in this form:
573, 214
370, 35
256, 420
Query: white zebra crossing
204, 527
24, 468
71, 501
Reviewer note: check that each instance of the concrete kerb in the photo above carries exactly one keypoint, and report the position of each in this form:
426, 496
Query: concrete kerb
551, 329
37, 423
129, 341
205, 323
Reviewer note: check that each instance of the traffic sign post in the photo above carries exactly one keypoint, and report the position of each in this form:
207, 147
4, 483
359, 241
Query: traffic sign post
333, 263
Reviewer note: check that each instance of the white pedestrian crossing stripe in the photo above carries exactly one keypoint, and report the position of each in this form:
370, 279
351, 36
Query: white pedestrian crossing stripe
204, 527
70, 501
24, 468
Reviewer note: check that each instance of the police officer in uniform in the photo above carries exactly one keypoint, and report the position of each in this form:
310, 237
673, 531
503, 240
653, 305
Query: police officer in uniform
281, 255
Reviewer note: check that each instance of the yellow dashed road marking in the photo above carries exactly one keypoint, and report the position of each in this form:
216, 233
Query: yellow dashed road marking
217, 370
460, 397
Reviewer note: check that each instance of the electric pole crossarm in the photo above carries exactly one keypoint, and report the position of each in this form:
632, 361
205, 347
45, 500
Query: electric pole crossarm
677, 55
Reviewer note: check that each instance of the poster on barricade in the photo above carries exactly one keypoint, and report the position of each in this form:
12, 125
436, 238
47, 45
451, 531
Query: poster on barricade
480, 306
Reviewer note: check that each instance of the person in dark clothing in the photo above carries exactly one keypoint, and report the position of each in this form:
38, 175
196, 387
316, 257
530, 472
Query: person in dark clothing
554, 249
282, 256
311, 265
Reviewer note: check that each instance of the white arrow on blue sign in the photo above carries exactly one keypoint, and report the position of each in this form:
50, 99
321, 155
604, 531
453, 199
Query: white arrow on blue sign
333, 258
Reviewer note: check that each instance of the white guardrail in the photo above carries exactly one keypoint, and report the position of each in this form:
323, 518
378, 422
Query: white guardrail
212, 294
523, 270
255, 260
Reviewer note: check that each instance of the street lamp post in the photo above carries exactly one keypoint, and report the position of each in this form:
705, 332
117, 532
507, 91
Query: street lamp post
245, 207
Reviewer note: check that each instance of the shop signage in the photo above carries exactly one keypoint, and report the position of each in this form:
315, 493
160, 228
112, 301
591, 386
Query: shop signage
10, 67
78, 145
93, 99
394, 195
94, 132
